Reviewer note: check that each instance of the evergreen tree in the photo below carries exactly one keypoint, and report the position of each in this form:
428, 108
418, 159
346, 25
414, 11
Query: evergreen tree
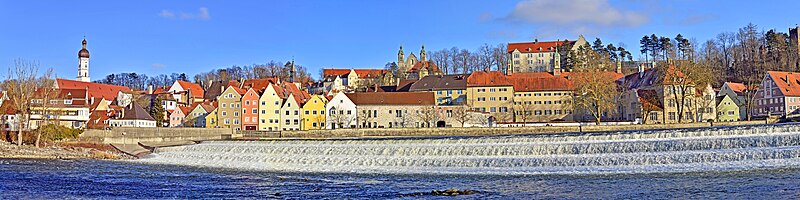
157, 111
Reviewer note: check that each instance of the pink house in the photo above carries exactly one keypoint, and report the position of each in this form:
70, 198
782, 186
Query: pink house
176, 118
778, 95
250, 110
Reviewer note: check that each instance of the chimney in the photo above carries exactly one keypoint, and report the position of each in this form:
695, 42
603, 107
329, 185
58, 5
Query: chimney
188, 96
787, 80
536, 40
150, 89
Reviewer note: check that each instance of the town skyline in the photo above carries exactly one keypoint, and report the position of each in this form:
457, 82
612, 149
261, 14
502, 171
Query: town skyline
162, 38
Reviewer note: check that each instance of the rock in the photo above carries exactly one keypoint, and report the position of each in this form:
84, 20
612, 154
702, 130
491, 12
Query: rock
277, 194
452, 192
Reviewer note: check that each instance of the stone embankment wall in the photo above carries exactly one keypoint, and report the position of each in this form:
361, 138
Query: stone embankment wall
154, 135
475, 131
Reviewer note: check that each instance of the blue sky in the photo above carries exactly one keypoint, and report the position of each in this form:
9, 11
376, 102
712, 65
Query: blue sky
156, 37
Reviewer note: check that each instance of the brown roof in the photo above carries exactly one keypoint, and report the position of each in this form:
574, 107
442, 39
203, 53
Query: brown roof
445, 82
536, 47
135, 112
490, 78
392, 98
197, 91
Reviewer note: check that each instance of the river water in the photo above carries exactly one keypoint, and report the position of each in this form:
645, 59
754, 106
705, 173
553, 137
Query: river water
742, 163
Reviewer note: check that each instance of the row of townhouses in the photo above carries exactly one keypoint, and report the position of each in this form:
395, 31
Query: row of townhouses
534, 89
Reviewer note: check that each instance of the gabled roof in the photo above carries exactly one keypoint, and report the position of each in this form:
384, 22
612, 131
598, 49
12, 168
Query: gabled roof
197, 91
490, 78
392, 98
216, 88
77, 96
184, 109
96, 90
135, 112
788, 82
649, 77
444, 82
736, 87
536, 47
300, 96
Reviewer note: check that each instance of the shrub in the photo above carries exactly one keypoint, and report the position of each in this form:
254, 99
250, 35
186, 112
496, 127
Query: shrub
55, 132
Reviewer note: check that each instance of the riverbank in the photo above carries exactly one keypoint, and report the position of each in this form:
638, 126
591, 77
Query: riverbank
61, 151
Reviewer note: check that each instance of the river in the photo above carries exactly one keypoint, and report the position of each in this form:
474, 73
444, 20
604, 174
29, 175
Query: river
741, 163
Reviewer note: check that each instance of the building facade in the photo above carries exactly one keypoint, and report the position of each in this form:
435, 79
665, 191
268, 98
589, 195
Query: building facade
536, 56
314, 113
491, 92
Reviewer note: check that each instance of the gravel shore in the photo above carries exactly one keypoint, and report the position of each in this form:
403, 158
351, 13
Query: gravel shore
57, 151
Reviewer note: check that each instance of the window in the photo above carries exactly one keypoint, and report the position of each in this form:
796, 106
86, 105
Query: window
247, 102
672, 116
235, 121
235, 114
223, 105
296, 112
287, 112
306, 112
263, 103
224, 113
492, 90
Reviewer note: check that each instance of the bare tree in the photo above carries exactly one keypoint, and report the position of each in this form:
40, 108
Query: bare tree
45, 105
20, 86
365, 117
462, 114
427, 115
595, 87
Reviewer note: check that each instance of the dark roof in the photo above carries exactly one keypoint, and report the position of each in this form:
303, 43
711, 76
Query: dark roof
216, 88
392, 98
445, 82
404, 85
135, 112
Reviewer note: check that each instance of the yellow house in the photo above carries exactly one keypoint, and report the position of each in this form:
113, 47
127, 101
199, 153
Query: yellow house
491, 92
211, 119
269, 108
314, 113
230, 108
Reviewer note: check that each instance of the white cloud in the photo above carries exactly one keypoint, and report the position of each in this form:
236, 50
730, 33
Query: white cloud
575, 16
158, 66
202, 14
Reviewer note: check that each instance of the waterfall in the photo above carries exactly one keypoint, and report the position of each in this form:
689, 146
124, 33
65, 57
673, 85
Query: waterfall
691, 150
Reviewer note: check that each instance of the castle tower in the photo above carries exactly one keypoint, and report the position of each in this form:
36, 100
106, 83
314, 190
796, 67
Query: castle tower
83, 64
422, 54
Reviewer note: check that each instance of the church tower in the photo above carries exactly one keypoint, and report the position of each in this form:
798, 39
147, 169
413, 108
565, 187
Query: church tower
401, 58
422, 54
83, 65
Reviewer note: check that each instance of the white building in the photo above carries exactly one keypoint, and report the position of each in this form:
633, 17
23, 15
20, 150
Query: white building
341, 112
133, 115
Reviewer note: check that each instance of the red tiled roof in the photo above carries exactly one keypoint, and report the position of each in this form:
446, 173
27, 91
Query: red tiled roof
392, 98
97, 119
552, 83
184, 109
362, 73
517, 75
257, 84
424, 65
788, 82
160, 90
491, 78
536, 47
299, 96
96, 90
197, 91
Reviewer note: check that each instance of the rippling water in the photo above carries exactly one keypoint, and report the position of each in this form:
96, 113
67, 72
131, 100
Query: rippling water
57, 179
741, 163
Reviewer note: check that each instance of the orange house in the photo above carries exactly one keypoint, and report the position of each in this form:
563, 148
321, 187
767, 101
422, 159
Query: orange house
250, 110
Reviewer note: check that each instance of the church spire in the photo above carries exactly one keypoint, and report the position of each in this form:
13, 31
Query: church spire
422, 54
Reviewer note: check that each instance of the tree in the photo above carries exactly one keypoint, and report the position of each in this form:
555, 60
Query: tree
20, 86
462, 114
365, 117
45, 94
680, 81
524, 111
645, 45
595, 86
427, 115
392, 67
156, 110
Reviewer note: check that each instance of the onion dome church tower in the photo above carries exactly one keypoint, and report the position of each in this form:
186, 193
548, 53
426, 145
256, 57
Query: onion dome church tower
83, 65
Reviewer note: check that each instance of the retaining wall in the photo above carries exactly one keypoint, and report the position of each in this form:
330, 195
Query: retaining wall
154, 135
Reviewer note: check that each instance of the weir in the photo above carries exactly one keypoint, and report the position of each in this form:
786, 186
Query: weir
687, 150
